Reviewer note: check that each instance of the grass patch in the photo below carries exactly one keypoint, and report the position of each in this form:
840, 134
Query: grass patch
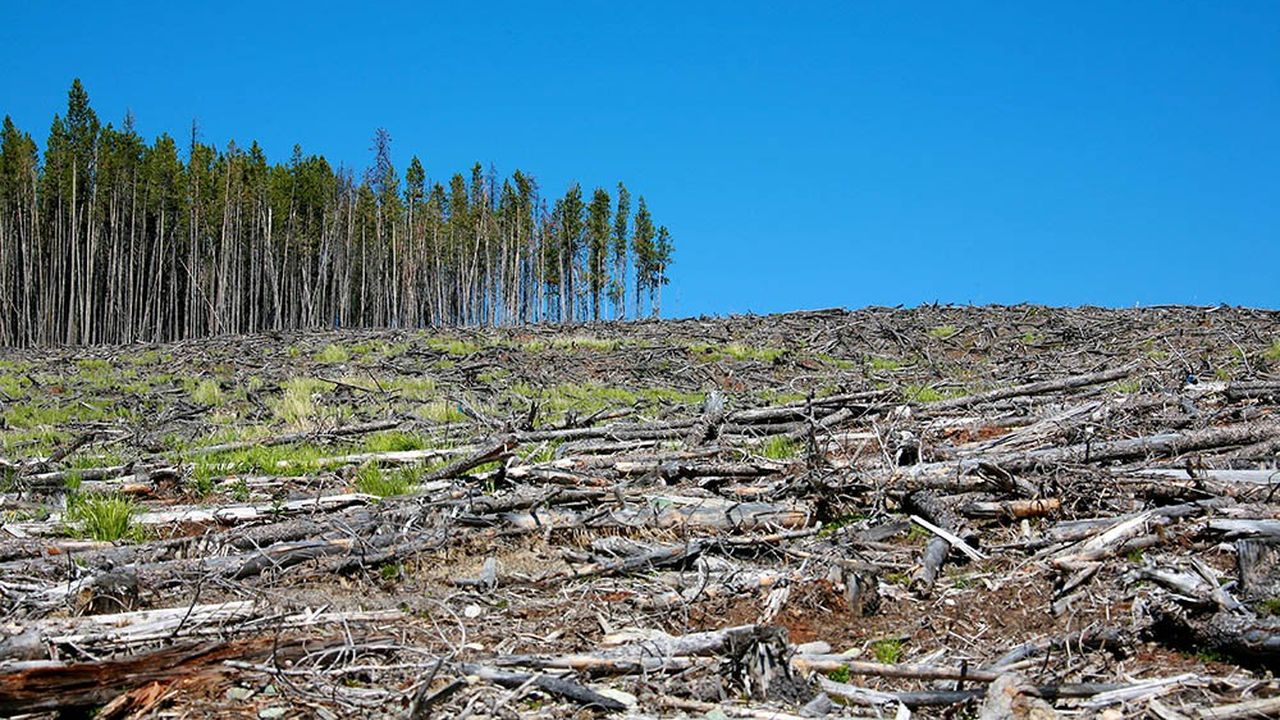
106, 518
93, 365
333, 354
922, 394
887, 651
14, 386
373, 480
835, 362
1272, 353
942, 332
148, 357
204, 477
1127, 387
840, 674
441, 411
832, 527
296, 405
391, 572
34, 414
781, 447
393, 441
205, 392
1269, 607
878, 364
543, 453
735, 351
417, 389
276, 460
453, 346
588, 398
578, 342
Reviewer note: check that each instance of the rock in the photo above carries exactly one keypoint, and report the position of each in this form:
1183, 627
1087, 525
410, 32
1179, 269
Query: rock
1007, 700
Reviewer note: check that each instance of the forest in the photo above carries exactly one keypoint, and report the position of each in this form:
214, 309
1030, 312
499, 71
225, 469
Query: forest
107, 239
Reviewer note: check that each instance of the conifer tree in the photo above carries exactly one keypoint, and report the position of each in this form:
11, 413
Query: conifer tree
598, 248
106, 237
618, 285
642, 251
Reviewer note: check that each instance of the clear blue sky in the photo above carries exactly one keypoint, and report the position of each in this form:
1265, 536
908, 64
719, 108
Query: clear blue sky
803, 154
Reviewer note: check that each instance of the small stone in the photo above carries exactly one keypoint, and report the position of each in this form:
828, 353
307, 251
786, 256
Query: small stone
817, 647
239, 693
625, 698
472, 611
272, 712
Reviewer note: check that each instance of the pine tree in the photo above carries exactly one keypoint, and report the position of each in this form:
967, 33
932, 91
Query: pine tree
109, 238
643, 251
661, 259
597, 248
618, 285
570, 222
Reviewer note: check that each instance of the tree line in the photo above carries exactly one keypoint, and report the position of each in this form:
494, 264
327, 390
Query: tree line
109, 239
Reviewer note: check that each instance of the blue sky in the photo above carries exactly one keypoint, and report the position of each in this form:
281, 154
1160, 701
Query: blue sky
803, 154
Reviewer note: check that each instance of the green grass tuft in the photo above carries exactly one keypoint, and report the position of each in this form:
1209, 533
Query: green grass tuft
1269, 607
883, 363
296, 405
942, 332
106, 518
206, 392
887, 651
373, 480
453, 346
1127, 387
735, 351
393, 441
922, 394
1272, 353
333, 354
781, 447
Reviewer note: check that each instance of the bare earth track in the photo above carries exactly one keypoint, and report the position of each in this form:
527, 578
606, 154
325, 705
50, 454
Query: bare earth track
951, 512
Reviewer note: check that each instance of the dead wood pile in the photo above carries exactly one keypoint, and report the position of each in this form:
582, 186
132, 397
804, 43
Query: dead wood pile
1004, 512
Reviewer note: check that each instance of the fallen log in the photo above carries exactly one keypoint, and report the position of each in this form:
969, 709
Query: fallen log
45, 686
1035, 388
561, 687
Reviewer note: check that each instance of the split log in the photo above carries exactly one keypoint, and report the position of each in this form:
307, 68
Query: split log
1258, 563
46, 686
1012, 509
